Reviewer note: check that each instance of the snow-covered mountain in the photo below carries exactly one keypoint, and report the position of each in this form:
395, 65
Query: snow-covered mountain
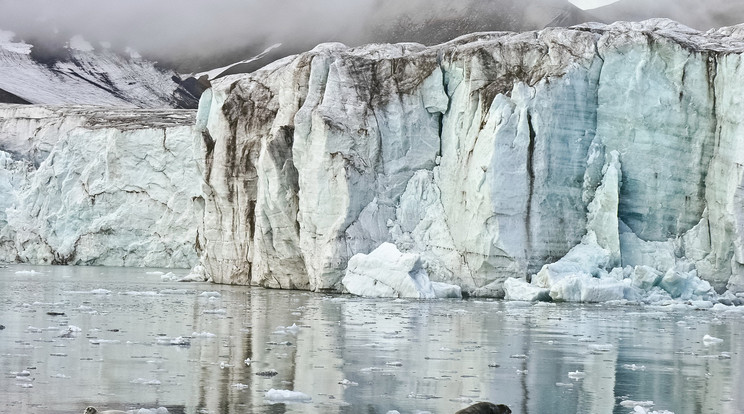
488, 156
82, 74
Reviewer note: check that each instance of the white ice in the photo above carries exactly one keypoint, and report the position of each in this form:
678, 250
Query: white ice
279, 396
387, 272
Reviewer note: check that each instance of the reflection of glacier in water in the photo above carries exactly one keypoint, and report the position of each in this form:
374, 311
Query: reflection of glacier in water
127, 340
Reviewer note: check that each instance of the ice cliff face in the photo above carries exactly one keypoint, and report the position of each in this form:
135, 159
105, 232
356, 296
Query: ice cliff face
483, 155
98, 186
82, 75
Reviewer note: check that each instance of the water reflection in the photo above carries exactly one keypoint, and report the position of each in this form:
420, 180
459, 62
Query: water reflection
146, 343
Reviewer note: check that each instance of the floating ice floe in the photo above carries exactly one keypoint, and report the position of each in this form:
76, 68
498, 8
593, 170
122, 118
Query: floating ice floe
386, 272
159, 410
240, 386
287, 330
711, 340
576, 375
28, 272
214, 311
581, 276
633, 404
197, 274
144, 381
210, 294
104, 341
177, 341
139, 293
203, 335
278, 396
643, 410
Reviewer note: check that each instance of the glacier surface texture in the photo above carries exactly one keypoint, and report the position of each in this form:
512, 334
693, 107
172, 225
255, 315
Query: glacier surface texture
98, 186
598, 151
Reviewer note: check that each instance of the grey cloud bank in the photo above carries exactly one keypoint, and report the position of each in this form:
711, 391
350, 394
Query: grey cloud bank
202, 33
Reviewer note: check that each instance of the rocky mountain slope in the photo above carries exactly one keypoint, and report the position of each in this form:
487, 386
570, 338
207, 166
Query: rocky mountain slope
82, 74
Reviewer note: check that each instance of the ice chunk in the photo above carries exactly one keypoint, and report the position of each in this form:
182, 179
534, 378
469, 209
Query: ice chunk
177, 341
711, 340
585, 288
386, 272
631, 403
645, 277
576, 375
159, 410
278, 396
27, 272
198, 274
520, 290
144, 381
446, 290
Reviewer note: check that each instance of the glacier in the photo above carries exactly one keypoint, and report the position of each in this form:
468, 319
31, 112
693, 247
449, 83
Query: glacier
591, 163
597, 151
98, 186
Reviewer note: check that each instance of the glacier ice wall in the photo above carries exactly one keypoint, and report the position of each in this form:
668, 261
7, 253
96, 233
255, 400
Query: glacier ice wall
98, 186
483, 155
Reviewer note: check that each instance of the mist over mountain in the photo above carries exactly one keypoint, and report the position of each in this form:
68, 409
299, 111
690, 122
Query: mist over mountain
192, 35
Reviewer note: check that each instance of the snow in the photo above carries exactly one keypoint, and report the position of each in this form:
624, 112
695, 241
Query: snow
215, 73
6, 43
591, 4
283, 396
88, 77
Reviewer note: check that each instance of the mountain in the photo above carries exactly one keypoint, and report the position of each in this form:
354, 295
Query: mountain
80, 74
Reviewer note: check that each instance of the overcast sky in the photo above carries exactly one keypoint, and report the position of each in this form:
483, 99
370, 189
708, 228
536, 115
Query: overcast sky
201, 27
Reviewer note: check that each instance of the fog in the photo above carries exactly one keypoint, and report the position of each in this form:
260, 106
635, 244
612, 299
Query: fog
205, 33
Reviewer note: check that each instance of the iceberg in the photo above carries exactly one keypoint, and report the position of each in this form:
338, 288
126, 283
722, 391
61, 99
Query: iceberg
386, 272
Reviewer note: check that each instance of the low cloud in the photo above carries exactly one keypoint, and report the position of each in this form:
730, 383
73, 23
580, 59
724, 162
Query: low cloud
197, 29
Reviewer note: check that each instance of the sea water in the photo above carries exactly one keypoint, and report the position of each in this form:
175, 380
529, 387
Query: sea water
124, 339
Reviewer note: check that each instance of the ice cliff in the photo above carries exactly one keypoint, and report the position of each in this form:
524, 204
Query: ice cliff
488, 157
98, 186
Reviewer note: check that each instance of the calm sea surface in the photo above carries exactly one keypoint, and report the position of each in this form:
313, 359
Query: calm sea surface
123, 339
